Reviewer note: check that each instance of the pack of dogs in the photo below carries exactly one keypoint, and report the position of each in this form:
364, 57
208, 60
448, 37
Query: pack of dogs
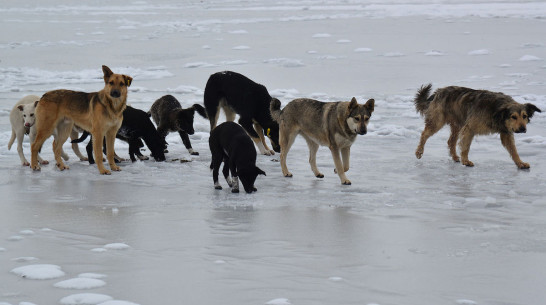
105, 115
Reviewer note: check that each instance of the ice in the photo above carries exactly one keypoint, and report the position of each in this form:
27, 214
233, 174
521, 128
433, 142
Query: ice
279, 301
39, 272
85, 299
407, 231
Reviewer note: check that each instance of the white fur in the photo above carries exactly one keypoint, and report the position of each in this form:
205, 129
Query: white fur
21, 118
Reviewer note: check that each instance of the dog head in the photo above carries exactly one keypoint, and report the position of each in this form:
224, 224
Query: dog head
248, 177
515, 117
272, 132
115, 84
27, 112
184, 120
358, 116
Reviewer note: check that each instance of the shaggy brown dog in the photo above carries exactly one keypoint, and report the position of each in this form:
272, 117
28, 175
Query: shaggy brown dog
472, 112
100, 113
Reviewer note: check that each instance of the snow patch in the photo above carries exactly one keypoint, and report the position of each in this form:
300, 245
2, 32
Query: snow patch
80, 283
39, 272
85, 299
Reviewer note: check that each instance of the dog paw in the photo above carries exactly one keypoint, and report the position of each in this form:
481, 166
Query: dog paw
62, 167
115, 168
418, 154
346, 182
523, 165
44, 162
84, 159
25, 163
319, 175
468, 163
456, 159
105, 172
288, 175
235, 190
217, 187
194, 153
36, 167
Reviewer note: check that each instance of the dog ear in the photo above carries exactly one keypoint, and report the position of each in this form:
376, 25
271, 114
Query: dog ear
501, 115
353, 104
128, 80
530, 108
260, 172
36, 103
107, 73
370, 105
21, 107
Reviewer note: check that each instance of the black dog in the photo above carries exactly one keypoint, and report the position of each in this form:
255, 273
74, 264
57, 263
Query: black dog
235, 93
136, 125
229, 143
169, 116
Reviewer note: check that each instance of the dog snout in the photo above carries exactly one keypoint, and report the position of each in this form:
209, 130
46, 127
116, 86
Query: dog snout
115, 93
522, 129
27, 124
362, 131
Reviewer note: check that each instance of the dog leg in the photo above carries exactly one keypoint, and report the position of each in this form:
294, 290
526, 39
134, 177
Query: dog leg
75, 147
430, 129
20, 138
63, 132
345, 156
97, 151
285, 140
110, 152
225, 171
234, 179
45, 125
186, 140
260, 132
32, 136
466, 136
230, 114
452, 142
235, 184
339, 165
313, 148
507, 140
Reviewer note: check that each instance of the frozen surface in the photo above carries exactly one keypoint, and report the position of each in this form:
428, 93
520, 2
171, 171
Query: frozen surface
407, 231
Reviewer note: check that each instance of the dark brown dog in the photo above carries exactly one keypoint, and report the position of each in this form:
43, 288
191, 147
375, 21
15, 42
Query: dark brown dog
472, 112
100, 113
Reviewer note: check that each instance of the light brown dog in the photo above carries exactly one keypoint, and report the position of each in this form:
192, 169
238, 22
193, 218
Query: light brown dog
100, 113
334, 124
472, 112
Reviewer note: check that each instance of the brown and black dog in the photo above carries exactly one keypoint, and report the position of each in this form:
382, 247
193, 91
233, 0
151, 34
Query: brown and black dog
100, 113
472, 112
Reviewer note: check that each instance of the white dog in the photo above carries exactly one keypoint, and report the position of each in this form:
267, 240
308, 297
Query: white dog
22, 122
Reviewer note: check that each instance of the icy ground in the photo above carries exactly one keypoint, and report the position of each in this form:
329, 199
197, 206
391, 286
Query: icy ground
407, 232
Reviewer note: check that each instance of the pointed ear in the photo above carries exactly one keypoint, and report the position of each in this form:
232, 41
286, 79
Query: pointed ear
530, 108
107, 73
353, 104
128, 80
21, 107
370, 105
260, 172
36, 103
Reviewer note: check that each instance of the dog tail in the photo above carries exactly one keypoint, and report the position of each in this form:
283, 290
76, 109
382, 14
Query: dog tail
12, 139
422, 99
200, 110
84, 136
275, 109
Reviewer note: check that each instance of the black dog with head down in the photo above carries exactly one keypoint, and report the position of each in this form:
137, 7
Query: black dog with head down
135, 127
229, 143
169, 116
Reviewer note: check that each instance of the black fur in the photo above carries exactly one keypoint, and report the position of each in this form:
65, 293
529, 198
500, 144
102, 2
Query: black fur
135, 127
229, 143
169, 116
248, 99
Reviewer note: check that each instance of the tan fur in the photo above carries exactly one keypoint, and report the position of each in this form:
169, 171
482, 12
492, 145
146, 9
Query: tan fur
334, 125
100, 113
472, 112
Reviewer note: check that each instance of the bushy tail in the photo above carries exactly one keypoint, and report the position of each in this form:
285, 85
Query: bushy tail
423, 99
12, 139
275, 109
84, 136
200, 110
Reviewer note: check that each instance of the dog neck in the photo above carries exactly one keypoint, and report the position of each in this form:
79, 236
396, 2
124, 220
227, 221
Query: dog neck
117, 105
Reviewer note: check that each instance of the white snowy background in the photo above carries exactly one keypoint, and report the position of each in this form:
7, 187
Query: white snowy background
407, 232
